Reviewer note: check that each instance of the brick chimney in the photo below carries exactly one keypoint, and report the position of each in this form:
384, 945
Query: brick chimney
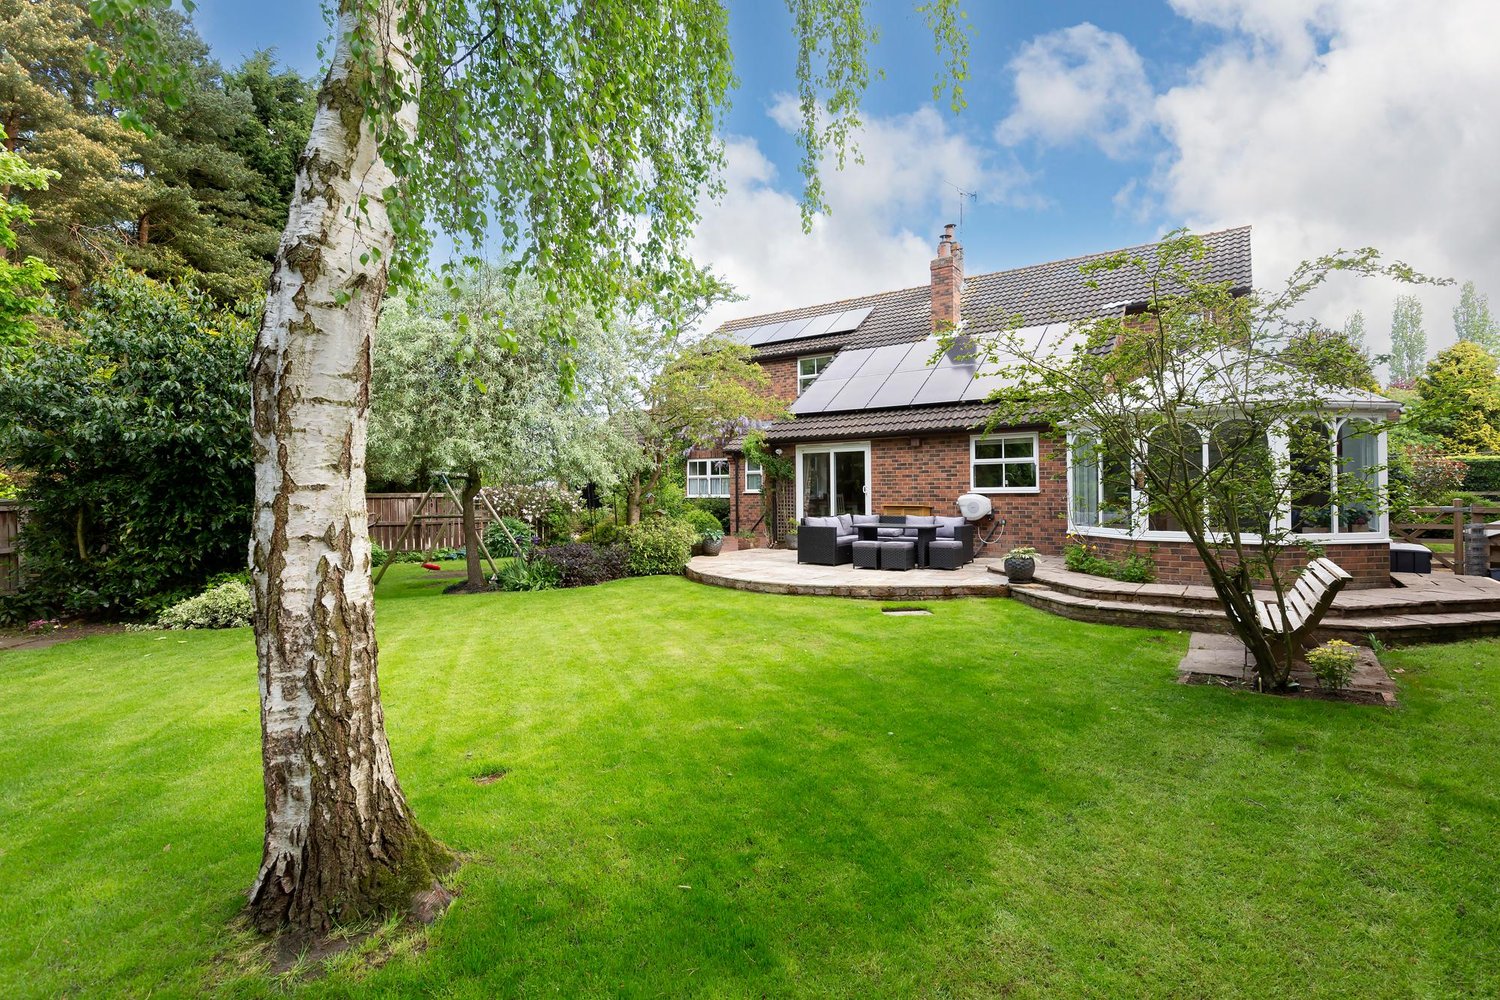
947, 281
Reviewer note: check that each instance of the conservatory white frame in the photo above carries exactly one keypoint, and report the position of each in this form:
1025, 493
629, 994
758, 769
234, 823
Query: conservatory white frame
1140, 530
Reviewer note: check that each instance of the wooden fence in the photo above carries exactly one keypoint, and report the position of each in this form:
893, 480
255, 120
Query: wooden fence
439, 526
1445, 525
10, 527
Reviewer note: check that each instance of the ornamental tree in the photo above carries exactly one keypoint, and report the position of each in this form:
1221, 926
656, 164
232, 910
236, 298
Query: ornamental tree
1458, 400
1207, 413
468, 382
577, 142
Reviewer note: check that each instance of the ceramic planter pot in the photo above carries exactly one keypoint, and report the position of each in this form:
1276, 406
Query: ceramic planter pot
791, 540
1020, 569
711, 546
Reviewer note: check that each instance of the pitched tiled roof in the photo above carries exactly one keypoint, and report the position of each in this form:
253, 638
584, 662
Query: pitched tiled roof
1039, 294
882, 423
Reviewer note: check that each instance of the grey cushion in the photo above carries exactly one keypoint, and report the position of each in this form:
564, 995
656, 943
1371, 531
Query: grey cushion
822, 522
891, 532
920, 520
865, 518
846, 524
947, 524
847, 539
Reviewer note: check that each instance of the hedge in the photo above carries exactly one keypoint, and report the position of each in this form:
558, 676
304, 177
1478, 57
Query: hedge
1483, 475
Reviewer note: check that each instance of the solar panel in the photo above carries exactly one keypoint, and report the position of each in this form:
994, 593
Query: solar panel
898, 389
816, 397
944, 385
820, 325
847, 364
856, 393
850, 319
881, 361
918, 356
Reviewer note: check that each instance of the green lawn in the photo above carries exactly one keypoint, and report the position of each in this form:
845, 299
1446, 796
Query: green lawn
713, 793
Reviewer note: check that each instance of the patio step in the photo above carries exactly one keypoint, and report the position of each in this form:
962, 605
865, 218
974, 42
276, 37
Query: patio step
1411, 594
1390, 629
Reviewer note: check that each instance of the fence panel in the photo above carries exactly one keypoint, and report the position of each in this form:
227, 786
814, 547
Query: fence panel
1444, 524
439, 526
10, 555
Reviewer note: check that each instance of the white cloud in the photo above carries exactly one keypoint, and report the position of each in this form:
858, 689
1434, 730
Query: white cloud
1344, 124
753, 234
1080, 83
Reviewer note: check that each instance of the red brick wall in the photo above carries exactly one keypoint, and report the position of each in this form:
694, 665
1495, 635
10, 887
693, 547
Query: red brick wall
783, 372
1177, 562
935, 471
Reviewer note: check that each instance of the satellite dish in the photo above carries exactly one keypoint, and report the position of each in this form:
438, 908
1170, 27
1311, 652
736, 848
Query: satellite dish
974, 506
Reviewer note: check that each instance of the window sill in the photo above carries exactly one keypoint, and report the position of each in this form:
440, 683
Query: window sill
992, 490
1367, 538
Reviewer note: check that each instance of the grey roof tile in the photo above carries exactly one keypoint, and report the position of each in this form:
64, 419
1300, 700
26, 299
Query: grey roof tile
1038, 294
882, 423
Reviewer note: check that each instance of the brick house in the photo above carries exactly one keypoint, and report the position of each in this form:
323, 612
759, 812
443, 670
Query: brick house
879, 425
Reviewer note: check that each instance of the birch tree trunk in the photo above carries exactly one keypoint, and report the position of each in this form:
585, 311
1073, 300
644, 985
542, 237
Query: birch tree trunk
340, 840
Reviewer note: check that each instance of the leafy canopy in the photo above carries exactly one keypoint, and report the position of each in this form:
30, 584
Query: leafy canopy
574, 140
134, 433
22, 283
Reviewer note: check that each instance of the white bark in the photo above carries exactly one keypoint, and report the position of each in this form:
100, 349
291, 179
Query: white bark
337, 824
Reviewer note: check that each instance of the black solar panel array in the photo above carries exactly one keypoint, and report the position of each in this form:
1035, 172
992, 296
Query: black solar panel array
877, 378
802, 328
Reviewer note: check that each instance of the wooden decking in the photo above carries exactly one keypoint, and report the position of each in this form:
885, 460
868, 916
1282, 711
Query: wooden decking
1417, 608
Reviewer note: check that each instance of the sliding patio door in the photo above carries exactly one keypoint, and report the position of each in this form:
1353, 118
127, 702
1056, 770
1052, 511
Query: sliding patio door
833, 480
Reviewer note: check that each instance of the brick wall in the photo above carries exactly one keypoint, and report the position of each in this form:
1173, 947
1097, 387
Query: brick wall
1177, 562
783, 372
934, 470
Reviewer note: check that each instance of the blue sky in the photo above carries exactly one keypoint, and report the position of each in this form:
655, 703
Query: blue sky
1094, 125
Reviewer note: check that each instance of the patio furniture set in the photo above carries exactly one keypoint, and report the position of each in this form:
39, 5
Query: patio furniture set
886, 541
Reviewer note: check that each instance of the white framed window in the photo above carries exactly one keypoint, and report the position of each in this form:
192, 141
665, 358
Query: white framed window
808, 369
753, 476
708, 477
1004, 463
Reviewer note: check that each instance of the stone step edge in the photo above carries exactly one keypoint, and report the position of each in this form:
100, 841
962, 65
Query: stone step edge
1388, 628
857, 591
1456, 605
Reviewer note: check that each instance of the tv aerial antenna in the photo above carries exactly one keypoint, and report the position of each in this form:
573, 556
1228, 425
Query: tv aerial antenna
964, 197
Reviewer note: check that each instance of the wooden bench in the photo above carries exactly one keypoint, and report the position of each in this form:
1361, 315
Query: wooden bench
1306, 603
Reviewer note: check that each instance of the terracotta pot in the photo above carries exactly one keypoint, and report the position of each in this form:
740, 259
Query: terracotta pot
1019, 569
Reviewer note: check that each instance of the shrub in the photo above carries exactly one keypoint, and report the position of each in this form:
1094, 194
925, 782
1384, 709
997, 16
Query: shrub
378, 554
134, 434
658, 546
224, 606
1134, 568
520, 575
1333, 664
604, 533
704, 523
500, 546
716, 506
1483, 474
581, 564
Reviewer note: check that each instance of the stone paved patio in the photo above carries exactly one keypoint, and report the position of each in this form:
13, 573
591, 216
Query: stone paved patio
1221, 658
776, 571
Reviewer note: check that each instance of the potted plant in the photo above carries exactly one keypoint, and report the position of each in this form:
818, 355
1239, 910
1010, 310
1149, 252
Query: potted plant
712, 541
1020, 564
791, 533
